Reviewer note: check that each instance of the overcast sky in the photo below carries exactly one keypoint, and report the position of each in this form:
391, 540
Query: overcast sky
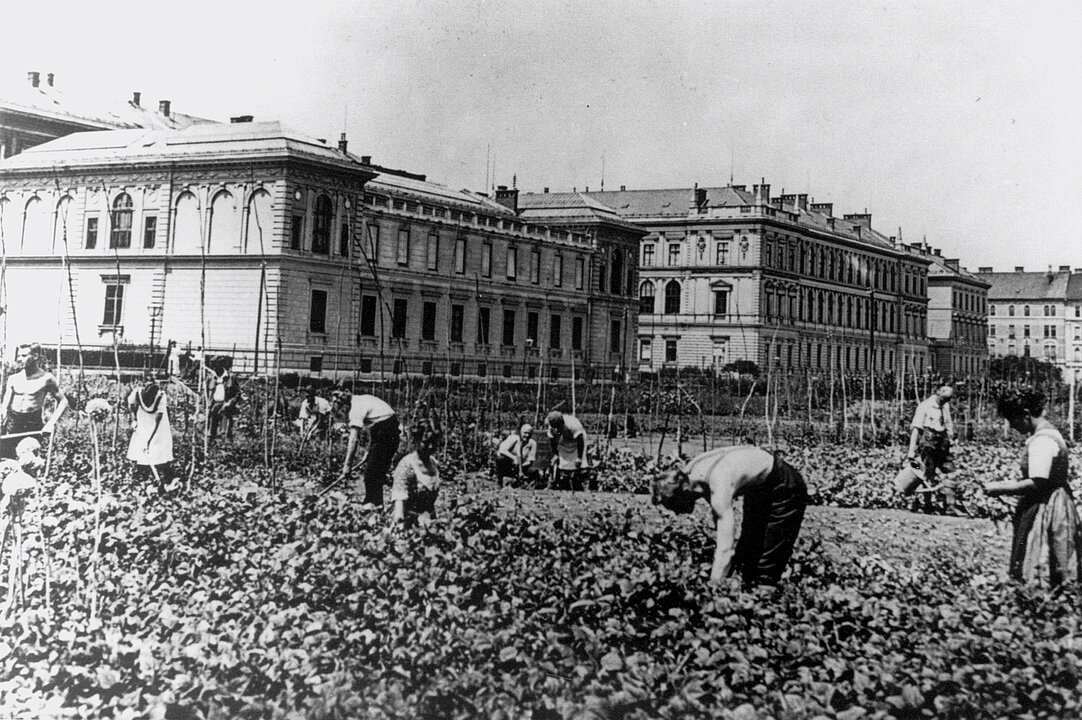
955, 121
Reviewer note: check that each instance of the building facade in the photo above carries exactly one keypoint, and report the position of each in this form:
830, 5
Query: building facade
1030, 314
957, 315
258, 243
729, 275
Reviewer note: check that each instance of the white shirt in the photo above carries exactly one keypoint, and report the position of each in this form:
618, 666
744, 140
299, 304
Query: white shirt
319, 406
930, 415
514, 448
367, 410
567, 447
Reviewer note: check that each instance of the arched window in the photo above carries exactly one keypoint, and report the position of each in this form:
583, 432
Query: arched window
321, 227
672, 297
120, 225
186, 235
258, 233
646, 298
1010, 310
64, 227
616, 284
224, 229
1025, 310
36, 229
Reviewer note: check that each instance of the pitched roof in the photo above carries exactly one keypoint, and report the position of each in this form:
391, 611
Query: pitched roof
1074, 287
568, 207
205, 142
51, 102
1027, 285
392, 182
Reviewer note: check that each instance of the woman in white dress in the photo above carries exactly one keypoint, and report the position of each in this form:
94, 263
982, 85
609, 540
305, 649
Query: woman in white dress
151, 443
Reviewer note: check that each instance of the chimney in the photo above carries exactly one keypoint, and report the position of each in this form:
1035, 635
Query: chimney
163, 107
34, 77
952, 263
1065, 268
1019, 268
342, 143
366, 159
802, 201
823, 208
507, 197
863, 219
135, 97
545, 191
985, 269
623, 188
241, 119
935, 251
49, 79
762, 192
700, 196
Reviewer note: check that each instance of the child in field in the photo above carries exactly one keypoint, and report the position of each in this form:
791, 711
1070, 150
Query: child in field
416, 481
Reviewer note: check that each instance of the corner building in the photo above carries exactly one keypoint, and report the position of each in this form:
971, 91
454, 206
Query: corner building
730, 275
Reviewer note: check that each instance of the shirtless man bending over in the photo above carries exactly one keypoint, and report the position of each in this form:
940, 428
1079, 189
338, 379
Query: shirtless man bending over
24, 400
774, 500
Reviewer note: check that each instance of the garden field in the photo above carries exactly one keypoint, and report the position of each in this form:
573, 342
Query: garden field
225, 600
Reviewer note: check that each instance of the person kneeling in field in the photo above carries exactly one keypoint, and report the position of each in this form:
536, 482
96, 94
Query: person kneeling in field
416, 481
774, 500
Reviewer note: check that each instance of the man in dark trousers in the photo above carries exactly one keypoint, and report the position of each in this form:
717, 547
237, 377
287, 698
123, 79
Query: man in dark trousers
368, 412
774, 500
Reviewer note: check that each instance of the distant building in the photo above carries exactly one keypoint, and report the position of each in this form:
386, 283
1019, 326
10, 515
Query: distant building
728, 274
297, 256
1028, 313
1074, 324
957, 315
38, 111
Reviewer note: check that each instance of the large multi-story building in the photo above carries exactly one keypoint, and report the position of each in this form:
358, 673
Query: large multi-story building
729, 275
1074, 325
957, 315
1028, 313
38, 111
280, 251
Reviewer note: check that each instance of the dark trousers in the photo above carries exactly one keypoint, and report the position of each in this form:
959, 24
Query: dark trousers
382, 446
772, 517
19, 423
934, 451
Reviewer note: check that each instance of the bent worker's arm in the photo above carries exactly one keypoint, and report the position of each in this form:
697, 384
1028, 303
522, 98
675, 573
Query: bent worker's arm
725, 521
948, 421
351, 447
913, 437
61, 406
580, 447
5, 404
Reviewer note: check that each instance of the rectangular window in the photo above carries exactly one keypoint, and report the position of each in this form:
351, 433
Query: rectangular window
580, 272
674, 253
535, 266
460, 256
483, 315
602, 275
114, 304
992, 331
486, 260
558, 270
722, 254
343, 240
296, 232
645, 350
1025, 331
368, 315
532, 335
428, 321
120, 237
317, 312
508, 327
150, 232
615, 336
670, 351
721, 302
91, 233
648, 255
373, 245
402, 251
512, 263
458, 315
576, 333
554, 331
398, 321
433, 251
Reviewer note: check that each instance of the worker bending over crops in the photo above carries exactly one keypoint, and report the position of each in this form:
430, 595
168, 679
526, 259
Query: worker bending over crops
932, 432
24, 400
515, 456
368, 412
567, 439
774, 500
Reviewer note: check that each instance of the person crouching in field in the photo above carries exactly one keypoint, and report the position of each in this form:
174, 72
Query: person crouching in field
1047, 535
416, 481
931, 434
775, 497
515, 456
567, 440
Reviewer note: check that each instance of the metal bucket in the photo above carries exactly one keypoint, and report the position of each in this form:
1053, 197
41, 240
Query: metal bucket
908, 478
